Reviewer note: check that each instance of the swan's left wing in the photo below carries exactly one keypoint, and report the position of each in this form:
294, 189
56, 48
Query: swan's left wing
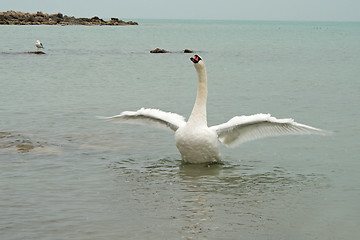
241, 129
150, 117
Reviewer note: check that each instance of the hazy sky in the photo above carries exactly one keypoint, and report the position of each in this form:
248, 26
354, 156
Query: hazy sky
309, 10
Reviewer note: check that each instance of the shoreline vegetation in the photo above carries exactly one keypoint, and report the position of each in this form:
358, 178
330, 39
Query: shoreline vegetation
23, 18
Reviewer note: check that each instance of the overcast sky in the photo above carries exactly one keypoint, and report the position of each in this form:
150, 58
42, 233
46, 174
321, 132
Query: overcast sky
297, 10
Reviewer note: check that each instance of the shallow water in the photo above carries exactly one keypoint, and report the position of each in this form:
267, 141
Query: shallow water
67, 174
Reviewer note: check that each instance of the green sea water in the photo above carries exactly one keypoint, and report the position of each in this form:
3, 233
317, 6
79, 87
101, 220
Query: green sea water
65, 174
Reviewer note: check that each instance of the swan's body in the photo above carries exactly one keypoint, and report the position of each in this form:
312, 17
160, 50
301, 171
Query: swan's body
198, 143
38, 44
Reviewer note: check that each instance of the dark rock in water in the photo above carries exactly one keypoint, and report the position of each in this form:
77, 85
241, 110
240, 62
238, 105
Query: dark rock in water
21, 18
158, 50
36, 52
132, 23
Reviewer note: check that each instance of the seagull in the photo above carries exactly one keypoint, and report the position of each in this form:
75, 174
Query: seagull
198, 143
38, 44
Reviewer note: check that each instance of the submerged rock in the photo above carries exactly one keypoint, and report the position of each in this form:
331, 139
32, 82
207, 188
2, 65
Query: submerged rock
18, 142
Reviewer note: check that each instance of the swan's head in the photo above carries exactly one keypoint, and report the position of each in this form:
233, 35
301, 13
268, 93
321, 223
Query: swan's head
196, 59
198, 62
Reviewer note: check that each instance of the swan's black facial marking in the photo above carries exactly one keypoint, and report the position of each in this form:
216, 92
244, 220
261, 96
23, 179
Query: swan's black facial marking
195, 59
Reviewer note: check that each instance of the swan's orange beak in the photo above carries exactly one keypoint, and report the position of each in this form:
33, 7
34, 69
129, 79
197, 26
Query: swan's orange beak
195, 59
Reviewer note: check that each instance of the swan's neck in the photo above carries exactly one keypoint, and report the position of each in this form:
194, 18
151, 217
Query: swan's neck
198, 114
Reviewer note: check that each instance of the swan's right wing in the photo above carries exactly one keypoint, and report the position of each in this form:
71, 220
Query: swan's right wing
241, 129
150, 117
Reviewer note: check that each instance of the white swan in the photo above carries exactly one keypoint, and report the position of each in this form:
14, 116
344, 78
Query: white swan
198, 143
38, 44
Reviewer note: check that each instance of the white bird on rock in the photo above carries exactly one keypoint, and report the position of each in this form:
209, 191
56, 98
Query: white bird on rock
38, 44
198, 143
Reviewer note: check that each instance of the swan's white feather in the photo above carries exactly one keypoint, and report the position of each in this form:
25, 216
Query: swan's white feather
242, 129
150, 117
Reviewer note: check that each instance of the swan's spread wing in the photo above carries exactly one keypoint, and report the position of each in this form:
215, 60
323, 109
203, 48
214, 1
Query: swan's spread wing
150, 117
241, 129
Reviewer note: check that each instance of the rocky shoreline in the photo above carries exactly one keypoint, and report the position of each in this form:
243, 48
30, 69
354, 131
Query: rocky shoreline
39, 18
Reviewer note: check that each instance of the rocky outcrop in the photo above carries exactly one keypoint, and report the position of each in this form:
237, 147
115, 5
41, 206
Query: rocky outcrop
39, 18
158, 50
188, 51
